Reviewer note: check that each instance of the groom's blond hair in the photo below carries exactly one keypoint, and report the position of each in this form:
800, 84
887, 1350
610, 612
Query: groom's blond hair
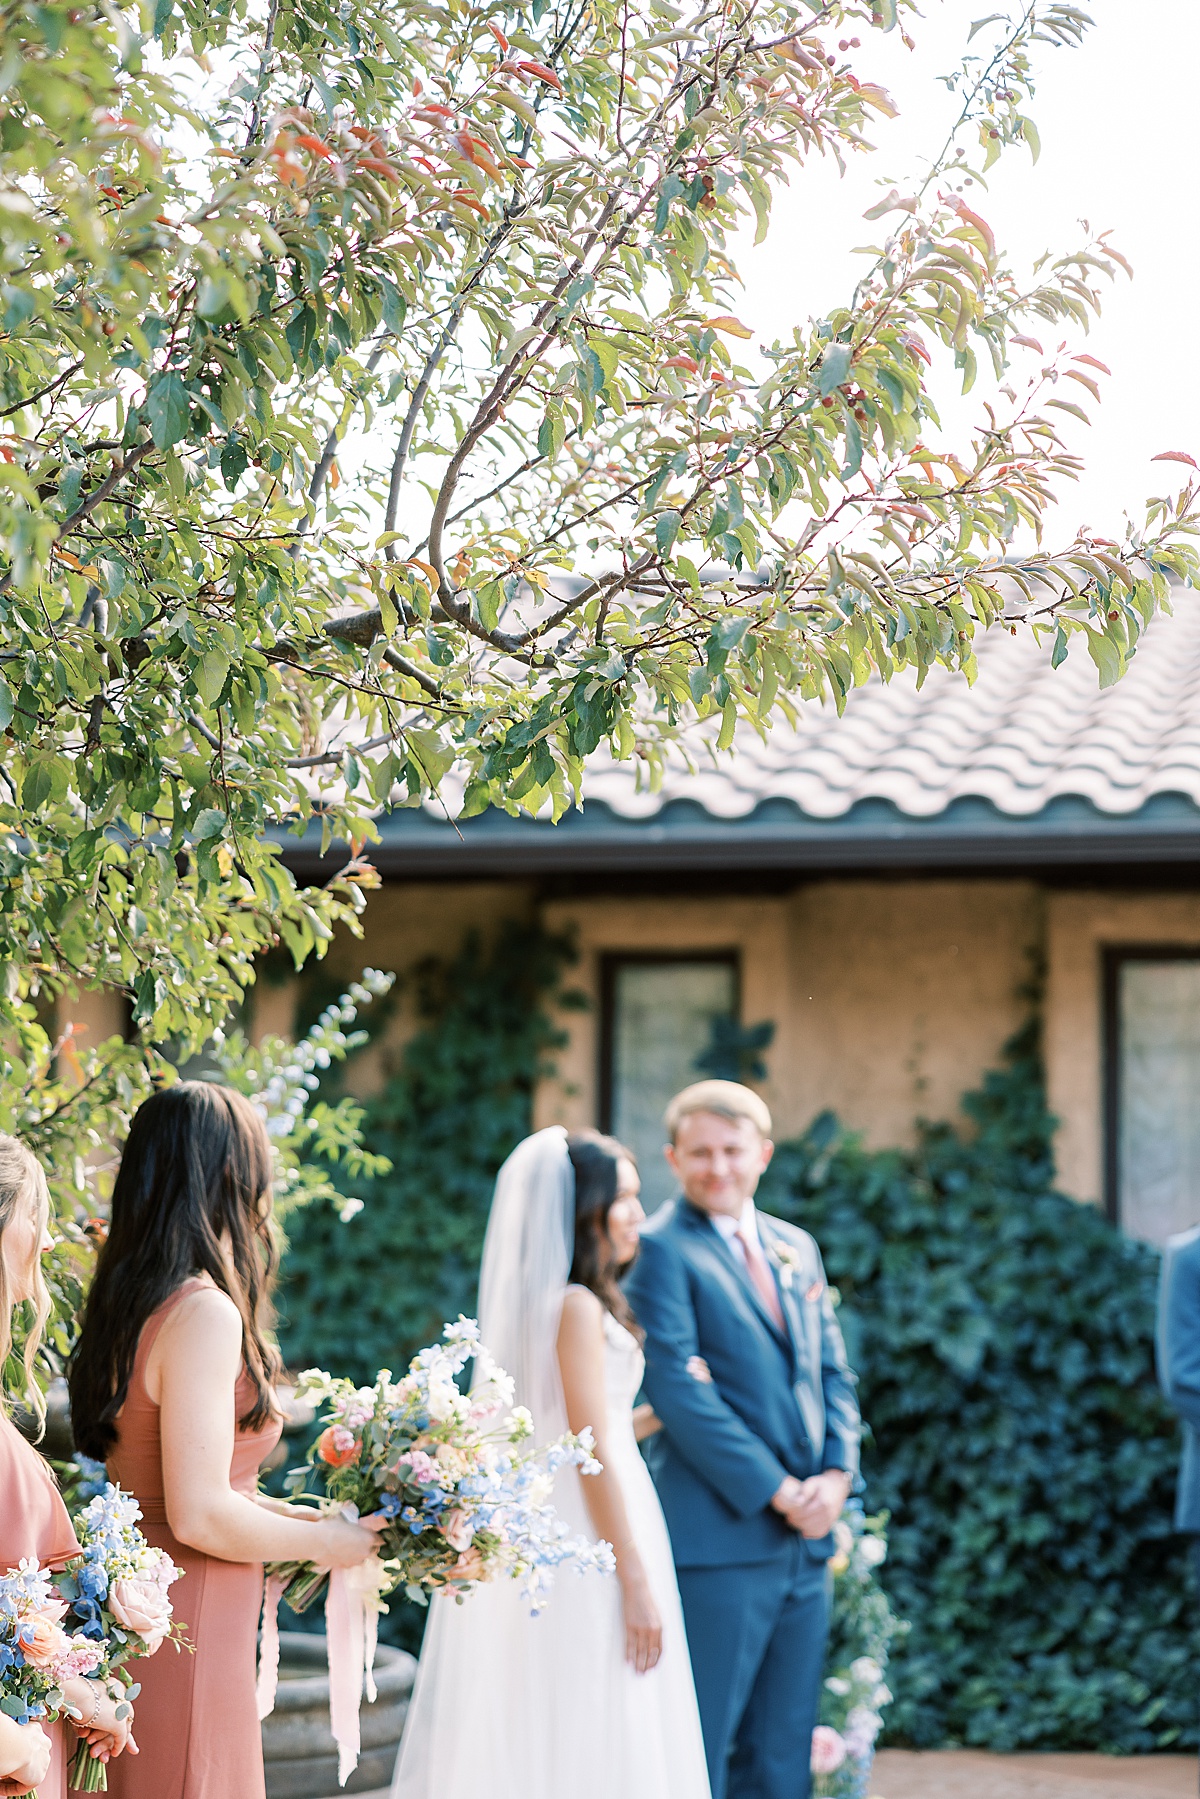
728, 1099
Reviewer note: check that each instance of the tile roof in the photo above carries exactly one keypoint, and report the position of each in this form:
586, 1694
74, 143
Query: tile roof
1024, 736
1033, 767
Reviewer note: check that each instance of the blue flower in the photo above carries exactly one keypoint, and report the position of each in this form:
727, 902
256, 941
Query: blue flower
390, 1504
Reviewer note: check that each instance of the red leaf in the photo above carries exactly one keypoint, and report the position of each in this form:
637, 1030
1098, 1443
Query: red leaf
542, 72
1176, 456
499, 36
1030, 343
1093, 362
682, 362
973, 218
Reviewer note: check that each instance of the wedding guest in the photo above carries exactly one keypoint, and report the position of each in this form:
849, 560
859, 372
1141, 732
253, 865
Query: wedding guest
34, 1525
171, 1384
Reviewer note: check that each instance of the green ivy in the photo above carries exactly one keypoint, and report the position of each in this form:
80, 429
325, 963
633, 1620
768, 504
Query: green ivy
366, 1294
1004, 1336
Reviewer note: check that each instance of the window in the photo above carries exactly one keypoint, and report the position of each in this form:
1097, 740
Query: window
1154, 1091
657, 1019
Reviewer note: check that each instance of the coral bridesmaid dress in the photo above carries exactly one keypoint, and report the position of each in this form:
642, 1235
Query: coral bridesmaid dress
34, 1526
196, 1721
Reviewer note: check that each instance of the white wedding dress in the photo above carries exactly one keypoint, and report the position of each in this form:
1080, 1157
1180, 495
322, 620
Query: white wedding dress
512, 1707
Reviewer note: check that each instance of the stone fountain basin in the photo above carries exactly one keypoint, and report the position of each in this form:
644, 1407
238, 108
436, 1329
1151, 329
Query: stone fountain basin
299, 1753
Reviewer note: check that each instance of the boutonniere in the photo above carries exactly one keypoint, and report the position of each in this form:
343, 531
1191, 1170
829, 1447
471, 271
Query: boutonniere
787, 1259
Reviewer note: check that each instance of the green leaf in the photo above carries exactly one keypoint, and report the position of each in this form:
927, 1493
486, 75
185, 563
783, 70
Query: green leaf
835, 367
1106, 656
666, 530
168, 410
209, 823
1059, 653
209, 674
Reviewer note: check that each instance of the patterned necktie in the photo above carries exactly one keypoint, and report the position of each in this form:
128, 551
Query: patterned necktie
760, 1274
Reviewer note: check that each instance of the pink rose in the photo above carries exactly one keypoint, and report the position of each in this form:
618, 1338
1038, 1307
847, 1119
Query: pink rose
141, 1606
457, 1530
828, 1750
42, 1637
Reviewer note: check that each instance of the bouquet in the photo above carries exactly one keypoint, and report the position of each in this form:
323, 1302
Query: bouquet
36, 1654
464, 1502
116, 1593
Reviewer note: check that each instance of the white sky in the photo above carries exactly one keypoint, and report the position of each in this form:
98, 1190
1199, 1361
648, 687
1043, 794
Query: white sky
1120, 131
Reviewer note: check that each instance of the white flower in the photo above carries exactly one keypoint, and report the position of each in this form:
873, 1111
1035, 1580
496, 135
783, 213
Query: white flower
350, 1210
836, 1685
872, 1550
866, 1669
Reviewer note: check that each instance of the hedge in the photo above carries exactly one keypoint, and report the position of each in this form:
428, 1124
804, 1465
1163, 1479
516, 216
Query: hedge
1004, 1335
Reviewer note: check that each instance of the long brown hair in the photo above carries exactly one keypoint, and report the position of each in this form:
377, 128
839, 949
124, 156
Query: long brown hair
595, 1160
196, 1167
23, 1182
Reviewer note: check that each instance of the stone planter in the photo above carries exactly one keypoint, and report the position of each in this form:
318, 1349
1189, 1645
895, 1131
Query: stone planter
298, 1749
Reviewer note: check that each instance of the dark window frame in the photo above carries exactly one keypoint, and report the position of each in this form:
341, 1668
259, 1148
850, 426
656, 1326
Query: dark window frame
611, 962
1116, 955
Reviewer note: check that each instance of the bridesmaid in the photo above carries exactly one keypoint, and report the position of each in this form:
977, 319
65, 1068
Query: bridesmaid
33, 1519
171, 1385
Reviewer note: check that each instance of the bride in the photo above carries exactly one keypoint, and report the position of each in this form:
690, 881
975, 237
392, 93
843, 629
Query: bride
594, 1696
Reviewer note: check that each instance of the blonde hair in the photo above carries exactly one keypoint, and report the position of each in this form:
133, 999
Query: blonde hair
728, 1099
22, 1177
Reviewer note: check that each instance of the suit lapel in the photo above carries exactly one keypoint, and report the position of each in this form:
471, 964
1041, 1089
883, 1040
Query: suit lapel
790, 1296
738, 1275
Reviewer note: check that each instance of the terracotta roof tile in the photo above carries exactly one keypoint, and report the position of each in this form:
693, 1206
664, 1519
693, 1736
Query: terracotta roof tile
1025, 734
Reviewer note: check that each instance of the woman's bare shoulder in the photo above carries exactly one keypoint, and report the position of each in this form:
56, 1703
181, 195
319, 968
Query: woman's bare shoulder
582, 1305
204, 1317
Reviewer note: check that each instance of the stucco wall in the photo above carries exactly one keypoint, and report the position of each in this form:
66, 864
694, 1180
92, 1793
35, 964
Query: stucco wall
403, 924
889, 998
1080, 927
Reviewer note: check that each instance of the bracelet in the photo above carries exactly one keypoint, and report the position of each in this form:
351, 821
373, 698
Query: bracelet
98, 1695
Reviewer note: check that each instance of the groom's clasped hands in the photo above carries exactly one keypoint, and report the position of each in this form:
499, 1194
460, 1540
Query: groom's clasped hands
813, 1506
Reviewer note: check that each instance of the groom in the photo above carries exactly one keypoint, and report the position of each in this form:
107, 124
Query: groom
746, 1368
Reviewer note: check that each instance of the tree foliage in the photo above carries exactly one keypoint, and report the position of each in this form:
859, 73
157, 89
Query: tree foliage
370, 404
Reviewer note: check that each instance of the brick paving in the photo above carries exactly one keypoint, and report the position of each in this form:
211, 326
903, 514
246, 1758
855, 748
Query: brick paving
966, 1774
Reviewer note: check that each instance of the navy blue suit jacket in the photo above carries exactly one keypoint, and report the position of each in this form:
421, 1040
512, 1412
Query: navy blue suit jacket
1178, 1347
780, 1402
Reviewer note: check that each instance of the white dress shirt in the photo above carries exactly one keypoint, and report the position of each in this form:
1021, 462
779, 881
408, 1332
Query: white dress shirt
729, 1228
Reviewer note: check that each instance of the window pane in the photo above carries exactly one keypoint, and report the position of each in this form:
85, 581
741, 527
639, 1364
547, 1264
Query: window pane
1159, 1142
662, 1019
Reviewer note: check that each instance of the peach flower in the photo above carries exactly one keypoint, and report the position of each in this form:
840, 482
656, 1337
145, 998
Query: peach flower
141, 1606
42, 1638
337, 1446
469, 1566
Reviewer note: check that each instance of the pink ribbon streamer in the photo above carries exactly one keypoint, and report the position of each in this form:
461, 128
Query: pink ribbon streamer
268, 1658
351, 1631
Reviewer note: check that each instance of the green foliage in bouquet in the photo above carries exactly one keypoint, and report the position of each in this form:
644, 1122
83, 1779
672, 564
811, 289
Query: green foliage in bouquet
1004, 1338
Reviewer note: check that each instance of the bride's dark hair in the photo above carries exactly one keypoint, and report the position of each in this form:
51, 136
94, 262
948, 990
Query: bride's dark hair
594, 1161
196, 1169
